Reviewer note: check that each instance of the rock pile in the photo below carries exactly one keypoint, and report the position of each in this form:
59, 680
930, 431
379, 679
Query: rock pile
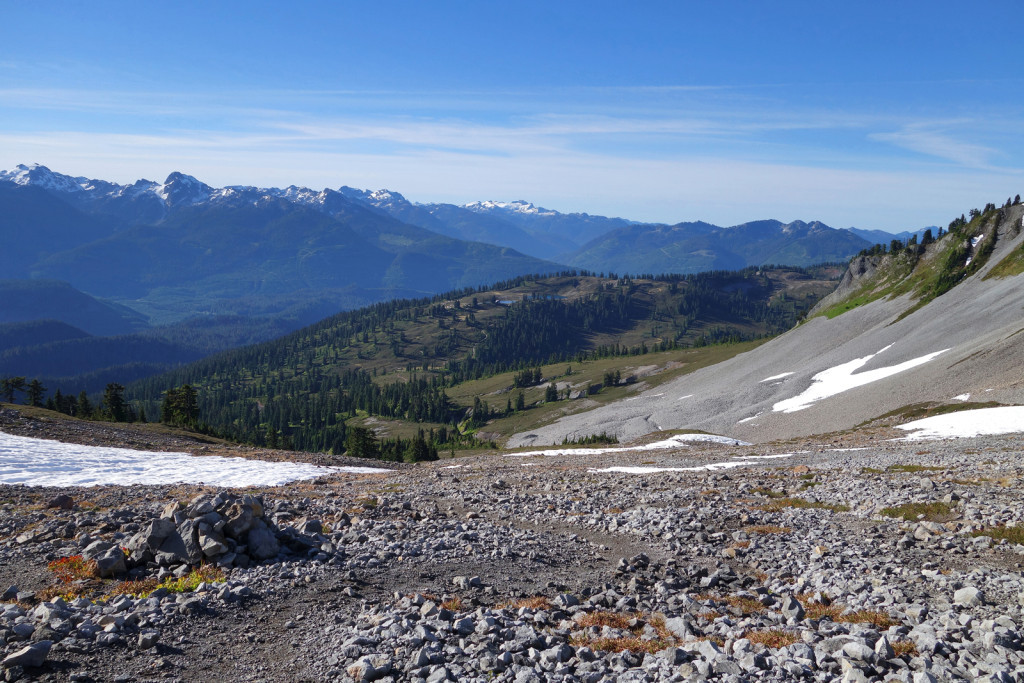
823, 566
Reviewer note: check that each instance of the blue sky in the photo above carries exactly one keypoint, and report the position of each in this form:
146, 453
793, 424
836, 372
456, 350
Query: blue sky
874, 115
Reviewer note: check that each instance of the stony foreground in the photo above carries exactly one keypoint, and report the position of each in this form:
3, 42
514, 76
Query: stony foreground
536, 569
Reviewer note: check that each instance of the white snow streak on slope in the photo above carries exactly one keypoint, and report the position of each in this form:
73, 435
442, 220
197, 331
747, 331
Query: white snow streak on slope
672, 442
967, 423
39, 462
743, 462
769, 379
841, 378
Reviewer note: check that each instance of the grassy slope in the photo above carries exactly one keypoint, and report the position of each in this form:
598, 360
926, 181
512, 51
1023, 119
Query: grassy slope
928, 276
659, 321
652, 370
421, 339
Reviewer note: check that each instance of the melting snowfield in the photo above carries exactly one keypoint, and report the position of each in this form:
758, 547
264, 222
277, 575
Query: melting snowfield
842, 378
966, 423
676, 441
38, 462
744, 461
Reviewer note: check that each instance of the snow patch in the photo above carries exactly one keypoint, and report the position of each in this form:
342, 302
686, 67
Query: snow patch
40, 462
711, 467
774, 377
962, 397
841, 378
966, 423
676, 441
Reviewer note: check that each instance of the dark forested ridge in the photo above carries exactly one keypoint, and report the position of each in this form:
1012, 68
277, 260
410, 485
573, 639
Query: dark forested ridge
397, 359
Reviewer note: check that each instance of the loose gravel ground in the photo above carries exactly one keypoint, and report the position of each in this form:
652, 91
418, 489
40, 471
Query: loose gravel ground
541, 569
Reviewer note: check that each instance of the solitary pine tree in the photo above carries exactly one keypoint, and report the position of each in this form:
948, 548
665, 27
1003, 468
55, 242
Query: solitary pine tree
35, 392
10, 385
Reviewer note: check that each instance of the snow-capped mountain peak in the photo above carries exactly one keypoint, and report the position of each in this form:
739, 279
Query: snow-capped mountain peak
40, 176
180, 189
518, 206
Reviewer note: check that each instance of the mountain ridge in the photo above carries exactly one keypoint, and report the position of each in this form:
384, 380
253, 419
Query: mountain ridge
924, 324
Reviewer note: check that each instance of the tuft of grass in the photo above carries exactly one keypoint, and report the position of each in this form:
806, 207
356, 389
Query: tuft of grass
204, 574
767, 529
745, 604
1011, 534
904, 648
537, 602
936, 511
67, 570
622, 644
453, 604
139, 589
767, 493
817, 610
837, 613
1012, 264
914, 468
634, 623
780, 504
880, 620
611, 619
773, 638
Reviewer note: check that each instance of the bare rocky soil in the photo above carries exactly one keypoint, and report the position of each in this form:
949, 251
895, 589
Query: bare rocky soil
540, 568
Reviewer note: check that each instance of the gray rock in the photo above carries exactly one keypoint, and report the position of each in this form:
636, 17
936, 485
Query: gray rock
95, 549
110, 563
61, 502
858, 651
148, 639
32, 656
681, 627
791, 608
212, 544
262, 543
883, 650
189, 532
969, 596
172, 551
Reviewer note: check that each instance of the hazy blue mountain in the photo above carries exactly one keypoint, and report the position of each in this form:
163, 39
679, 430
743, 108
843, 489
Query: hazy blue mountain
181, 247
696, 247
883, 237
535, 231
573, 228
36, 332
27, 300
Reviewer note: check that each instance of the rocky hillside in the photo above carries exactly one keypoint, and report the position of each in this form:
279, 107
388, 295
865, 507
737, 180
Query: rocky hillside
862, 560
926, 324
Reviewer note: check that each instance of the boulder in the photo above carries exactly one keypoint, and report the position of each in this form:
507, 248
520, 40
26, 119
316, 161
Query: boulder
110, 563
61, 502
152, 535
262, 543
189, 532
172, 551
32, 656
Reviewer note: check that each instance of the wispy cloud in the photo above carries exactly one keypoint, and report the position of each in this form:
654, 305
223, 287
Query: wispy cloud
933, 140
721, 158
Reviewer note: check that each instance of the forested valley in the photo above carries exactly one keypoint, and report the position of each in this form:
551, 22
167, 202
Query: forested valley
405, 359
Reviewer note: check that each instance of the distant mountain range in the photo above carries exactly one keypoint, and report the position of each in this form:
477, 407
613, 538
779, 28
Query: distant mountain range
158, 273
697, 247
179, 248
